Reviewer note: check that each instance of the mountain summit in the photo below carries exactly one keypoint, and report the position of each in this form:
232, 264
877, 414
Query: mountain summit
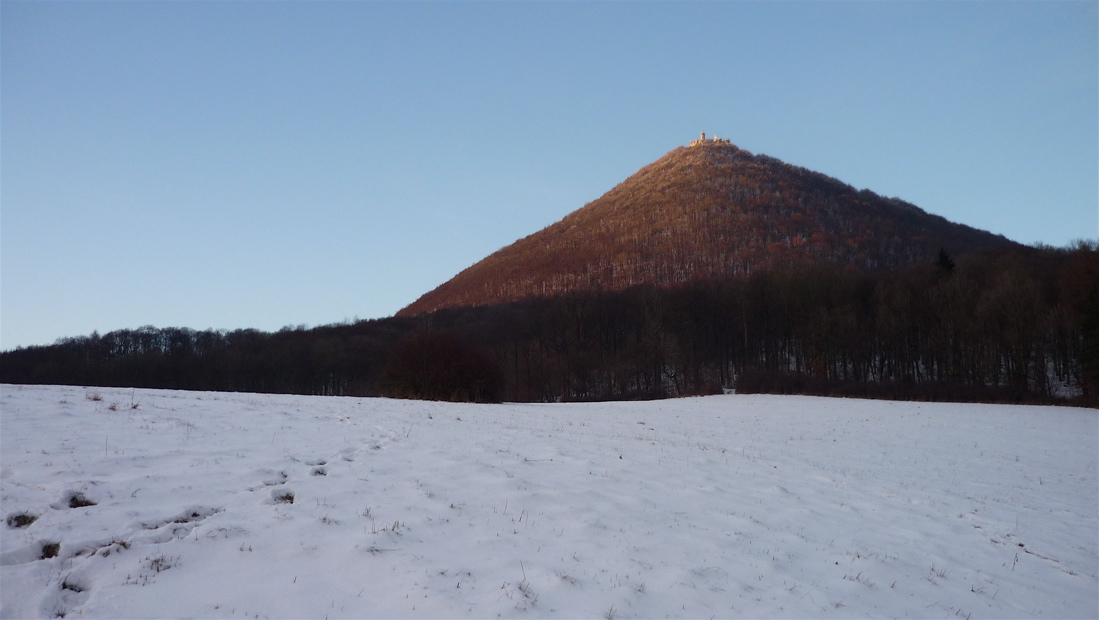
707, 210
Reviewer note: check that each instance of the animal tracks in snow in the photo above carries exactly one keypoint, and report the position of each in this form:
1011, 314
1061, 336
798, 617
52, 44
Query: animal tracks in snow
73, 564
176, 527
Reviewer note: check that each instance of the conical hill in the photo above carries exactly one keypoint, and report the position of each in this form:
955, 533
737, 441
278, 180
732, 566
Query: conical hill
703, 211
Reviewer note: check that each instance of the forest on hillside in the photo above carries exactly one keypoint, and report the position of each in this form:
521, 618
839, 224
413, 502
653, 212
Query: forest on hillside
703, 213
1009, 325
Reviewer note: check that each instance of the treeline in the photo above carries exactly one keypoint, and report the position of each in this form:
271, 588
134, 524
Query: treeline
1016, 325
332, 360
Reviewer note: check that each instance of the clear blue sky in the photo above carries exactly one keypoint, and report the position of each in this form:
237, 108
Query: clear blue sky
231, 164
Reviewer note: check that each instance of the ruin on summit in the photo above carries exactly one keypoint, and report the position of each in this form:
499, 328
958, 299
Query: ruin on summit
704, 140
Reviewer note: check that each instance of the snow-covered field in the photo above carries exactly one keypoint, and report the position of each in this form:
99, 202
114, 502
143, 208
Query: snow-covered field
726, 506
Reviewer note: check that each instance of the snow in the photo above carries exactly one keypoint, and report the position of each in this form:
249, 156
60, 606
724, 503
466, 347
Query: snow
726, 506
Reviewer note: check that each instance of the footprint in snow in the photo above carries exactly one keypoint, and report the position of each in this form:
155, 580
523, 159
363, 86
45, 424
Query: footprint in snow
318, 466
174, 527
279, 478
73, 499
